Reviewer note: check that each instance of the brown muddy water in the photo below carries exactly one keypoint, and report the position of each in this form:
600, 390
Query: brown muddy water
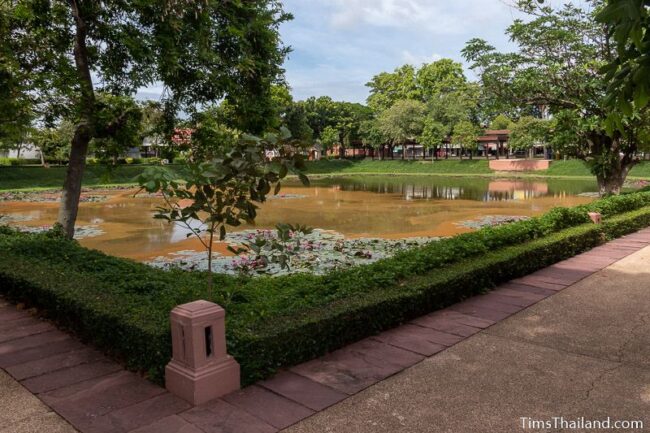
383, 207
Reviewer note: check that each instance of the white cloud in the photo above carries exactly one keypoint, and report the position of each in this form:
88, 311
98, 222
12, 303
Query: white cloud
418, 59
433, 16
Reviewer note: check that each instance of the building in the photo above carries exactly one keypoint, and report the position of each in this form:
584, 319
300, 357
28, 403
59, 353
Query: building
24, 151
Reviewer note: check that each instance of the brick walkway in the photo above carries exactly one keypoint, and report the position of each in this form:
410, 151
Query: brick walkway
95, 394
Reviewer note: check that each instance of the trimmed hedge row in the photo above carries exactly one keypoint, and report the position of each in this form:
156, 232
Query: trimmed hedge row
299, 338
123, 307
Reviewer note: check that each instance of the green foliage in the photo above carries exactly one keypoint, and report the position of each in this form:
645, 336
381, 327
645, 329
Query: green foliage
15, 103
325, 116
54, 142
454, 107
628, 22
69, 53
210, 137
371, 133
387, 88
112, 110
529, 131
441, 77
466, 135
224, 191
403, 121
267, 250
433, 133
556, 69
329, 137
295, 120
123, 307
501, 122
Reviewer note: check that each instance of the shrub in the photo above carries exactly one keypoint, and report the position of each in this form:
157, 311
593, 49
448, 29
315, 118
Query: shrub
152, 161
123, 306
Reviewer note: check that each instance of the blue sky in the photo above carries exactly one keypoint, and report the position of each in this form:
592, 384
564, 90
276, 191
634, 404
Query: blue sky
338, 45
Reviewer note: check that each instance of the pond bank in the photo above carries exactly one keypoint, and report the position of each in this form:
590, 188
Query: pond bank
35, 178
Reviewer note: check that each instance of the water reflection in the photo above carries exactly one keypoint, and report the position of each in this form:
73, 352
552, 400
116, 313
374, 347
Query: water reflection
460, 188
388, 207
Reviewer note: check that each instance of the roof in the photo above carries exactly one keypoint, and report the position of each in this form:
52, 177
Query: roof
488, 138
497, 132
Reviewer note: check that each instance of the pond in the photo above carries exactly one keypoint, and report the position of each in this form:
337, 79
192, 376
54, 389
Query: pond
345, 208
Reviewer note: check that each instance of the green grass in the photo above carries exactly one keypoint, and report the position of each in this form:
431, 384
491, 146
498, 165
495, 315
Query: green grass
453, 167
398, 167
14, 178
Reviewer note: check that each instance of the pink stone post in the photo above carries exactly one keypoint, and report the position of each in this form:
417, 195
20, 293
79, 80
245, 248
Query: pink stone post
201, 369
596, 217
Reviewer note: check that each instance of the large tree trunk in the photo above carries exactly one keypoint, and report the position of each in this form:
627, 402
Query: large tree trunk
612, 173
612, 182
83, 133
40, 151
72, 185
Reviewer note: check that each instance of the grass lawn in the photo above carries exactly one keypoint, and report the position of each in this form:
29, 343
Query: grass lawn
13, 178
570, 168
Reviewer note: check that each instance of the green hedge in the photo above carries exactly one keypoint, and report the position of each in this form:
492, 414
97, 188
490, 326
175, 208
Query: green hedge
122, 306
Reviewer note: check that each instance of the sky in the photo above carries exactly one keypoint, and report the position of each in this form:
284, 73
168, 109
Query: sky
339, 45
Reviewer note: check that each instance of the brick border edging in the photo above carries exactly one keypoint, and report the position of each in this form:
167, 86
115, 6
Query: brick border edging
95, 394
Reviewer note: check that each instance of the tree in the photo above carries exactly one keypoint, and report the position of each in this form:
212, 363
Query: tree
295, 119
372, 137
448, 109
528, 132
201, 52
226, 190
433, 135
153, 126
110, 108
408, 83
501, 122
210, 136
387, 88
556, 68
403, 122
329, 137
628, 22
15, 102
53, 143
466, 135
441, 77
344, 117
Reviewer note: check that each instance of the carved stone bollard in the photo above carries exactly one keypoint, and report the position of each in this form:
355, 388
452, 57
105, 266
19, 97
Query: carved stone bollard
596, 217
201, 369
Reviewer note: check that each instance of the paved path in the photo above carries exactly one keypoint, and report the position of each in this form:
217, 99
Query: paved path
22, 412
584, 352
575, 351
